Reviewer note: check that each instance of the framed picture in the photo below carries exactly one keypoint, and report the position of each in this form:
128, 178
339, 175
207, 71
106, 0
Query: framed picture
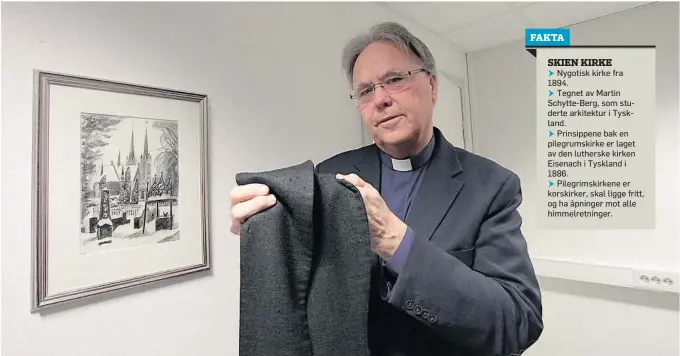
120, 190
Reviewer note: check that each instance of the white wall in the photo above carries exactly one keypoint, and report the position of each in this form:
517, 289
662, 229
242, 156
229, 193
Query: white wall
580, 318
277, 97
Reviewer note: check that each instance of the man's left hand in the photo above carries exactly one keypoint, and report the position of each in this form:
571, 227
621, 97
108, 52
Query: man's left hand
386, 229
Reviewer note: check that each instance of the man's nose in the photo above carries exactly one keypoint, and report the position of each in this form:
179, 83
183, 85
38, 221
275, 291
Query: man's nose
382, 98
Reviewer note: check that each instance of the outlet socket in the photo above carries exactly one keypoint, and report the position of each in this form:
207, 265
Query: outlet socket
656, 280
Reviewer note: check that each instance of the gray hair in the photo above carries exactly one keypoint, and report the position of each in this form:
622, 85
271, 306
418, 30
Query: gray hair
386, 31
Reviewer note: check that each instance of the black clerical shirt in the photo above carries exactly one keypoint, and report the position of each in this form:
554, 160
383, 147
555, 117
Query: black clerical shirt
399, 182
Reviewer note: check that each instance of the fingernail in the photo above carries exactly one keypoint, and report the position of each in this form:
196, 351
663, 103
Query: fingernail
264, 190
272, 199
339, 176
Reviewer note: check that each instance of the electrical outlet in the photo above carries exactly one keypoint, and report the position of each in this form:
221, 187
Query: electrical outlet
656, 280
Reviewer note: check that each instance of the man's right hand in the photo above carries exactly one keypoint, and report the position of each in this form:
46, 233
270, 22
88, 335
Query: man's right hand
247, 200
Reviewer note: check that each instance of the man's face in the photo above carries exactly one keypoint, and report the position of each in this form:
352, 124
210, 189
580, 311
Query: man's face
395, 118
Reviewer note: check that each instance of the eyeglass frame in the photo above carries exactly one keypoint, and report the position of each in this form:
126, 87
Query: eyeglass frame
407, 75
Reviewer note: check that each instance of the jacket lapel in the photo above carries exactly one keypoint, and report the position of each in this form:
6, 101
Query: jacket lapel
368, 168
437, 191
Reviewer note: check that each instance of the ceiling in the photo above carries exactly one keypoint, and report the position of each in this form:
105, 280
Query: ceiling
474, 25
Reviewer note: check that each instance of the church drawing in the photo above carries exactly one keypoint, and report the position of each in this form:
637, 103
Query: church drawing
124, 178
130, 197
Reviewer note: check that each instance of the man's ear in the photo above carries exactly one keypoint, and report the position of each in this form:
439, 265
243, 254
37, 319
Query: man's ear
434, 91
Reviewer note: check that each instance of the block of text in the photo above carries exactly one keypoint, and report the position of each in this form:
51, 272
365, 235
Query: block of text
596, 137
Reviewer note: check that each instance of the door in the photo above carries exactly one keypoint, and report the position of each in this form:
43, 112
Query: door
448, 111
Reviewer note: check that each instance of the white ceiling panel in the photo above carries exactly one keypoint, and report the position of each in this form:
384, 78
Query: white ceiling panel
518, 4
559, 14
474, 25
443, 16
487, 33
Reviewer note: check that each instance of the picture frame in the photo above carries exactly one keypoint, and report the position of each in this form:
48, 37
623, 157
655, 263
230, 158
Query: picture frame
136, 156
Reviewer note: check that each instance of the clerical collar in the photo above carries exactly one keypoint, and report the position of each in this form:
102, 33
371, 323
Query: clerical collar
409, 164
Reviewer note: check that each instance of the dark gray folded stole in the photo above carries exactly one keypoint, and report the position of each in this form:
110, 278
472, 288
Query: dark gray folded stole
305, 267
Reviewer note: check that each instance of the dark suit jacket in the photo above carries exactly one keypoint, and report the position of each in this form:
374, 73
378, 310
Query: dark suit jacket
468, 286
305, 268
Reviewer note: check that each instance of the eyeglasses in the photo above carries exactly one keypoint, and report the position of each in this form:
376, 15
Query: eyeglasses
394, 84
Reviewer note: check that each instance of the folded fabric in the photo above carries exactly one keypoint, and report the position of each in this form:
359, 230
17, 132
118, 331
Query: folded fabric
305, 267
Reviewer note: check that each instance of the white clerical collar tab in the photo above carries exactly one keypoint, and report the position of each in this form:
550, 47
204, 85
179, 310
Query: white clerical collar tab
402, 165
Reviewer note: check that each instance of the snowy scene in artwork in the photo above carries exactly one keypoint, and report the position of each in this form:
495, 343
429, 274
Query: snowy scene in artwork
129, 182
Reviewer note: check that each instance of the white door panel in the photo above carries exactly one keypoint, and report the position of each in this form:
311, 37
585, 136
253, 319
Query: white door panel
448, 112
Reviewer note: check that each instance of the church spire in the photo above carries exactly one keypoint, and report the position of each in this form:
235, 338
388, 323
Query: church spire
145, 154
131, 156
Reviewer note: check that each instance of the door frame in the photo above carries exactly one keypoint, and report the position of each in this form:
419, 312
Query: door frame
465, 106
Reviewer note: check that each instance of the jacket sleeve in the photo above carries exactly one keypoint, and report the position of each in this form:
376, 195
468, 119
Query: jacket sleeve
396, 263
494, 307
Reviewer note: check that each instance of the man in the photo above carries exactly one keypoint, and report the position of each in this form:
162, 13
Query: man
452, 274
